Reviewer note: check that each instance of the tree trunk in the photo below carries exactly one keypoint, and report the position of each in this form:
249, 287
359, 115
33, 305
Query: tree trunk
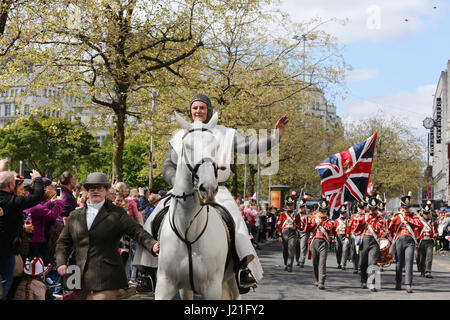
118, 142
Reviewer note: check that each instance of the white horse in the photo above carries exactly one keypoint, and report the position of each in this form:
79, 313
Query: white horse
193, 238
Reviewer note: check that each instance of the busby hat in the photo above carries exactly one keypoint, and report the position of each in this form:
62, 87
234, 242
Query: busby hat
427, 207
323, 204
360, 204
373, 203
290, 201
405, 201
343, 208
366, 199
381, 205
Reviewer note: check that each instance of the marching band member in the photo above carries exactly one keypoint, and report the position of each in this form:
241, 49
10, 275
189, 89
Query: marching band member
403, 227
342, 241
287, 233
322, 229
303, 236
354, 235
371, 231
427, 234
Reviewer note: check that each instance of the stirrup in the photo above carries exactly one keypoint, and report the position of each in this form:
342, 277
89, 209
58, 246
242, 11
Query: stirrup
244, 288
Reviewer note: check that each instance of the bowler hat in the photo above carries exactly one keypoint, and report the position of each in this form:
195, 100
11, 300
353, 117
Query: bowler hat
97, 178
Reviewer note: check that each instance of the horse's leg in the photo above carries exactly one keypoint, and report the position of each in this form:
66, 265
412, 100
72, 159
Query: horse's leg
165, 290
230, 290
212, 290
186, 294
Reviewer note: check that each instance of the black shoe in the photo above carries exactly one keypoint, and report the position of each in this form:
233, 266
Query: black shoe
298, 263
302, 265
289, 269
398, 286
145, 284
343, 268
364, 285
355, 271
339, 267
285, 268
428, 275
321, 286
246, 279
422, 274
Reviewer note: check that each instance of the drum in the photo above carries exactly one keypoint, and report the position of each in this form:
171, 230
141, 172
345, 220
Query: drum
386, 257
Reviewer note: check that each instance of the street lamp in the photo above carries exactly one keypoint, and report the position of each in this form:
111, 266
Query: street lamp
303, 38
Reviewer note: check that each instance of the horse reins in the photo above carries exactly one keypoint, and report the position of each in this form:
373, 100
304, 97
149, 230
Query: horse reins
184, 196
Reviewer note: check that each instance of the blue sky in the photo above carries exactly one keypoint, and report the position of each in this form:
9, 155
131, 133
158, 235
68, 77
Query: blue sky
396, 63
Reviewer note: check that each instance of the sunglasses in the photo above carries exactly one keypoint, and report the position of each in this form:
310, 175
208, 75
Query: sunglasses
95, 187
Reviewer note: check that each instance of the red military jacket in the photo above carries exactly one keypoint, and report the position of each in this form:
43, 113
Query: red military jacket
429, 230
302, 221
285, 220
327, 224
396, 224
372, 220
355, 221
385, 222
341, 225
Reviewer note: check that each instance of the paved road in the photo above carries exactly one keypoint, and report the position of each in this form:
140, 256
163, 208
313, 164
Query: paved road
278, 284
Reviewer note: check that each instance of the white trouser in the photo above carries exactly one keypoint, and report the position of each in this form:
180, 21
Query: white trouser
244, 247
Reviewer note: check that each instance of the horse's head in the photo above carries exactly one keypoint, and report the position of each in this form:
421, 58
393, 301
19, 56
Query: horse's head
199, 149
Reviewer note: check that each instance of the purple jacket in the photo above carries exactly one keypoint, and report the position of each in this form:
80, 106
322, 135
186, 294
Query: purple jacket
42, 213
70, 203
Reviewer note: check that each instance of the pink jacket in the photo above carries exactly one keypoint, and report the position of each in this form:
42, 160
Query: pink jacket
133, 211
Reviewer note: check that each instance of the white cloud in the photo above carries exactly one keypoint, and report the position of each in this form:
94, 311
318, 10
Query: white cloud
362, 75
411, 106
374, 20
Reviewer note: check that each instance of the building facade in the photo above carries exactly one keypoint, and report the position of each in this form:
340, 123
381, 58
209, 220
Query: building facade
16, 101
320, 107
440, 140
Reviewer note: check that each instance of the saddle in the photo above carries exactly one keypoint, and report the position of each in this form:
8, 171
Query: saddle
226, 218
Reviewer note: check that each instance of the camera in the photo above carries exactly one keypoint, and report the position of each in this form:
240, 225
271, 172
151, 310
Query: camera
27, 174
27, 177
58, 192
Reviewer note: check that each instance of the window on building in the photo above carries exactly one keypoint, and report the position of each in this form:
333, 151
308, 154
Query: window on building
26, 110
7, 110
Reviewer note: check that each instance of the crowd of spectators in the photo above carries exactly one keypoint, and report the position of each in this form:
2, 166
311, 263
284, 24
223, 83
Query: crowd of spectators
33, 213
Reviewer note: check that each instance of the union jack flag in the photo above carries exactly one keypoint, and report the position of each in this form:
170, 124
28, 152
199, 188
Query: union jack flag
345, 175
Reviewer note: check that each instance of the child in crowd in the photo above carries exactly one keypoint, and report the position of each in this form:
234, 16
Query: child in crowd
32, 286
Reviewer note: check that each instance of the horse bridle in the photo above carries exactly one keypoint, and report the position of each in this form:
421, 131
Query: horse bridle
194, 175
194, 169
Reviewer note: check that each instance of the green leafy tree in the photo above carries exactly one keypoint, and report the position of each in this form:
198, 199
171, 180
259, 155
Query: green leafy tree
48, 144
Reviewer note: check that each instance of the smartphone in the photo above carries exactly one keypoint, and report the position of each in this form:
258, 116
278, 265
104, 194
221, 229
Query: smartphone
58, 192
27, 174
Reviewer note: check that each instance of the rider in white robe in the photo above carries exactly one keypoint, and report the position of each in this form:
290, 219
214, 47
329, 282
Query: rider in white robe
229, 141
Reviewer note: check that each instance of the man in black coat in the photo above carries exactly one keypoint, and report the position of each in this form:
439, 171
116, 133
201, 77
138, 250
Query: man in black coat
12, 221
95, 231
